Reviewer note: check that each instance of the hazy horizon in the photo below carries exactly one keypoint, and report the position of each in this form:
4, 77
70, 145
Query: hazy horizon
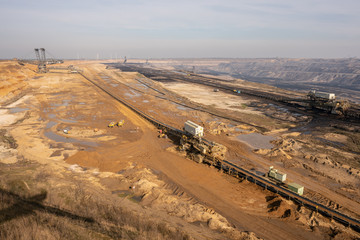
188, 29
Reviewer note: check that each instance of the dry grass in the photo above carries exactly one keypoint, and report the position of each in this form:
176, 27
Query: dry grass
30, 211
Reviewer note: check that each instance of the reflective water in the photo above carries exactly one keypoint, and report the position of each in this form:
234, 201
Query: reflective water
256, 140
18, 109
58, 138
50, 124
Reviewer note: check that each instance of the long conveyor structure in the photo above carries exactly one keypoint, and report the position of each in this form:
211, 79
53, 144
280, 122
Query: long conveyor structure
239, 172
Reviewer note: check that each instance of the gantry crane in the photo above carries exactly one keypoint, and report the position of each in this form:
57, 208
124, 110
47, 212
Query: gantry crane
41, 57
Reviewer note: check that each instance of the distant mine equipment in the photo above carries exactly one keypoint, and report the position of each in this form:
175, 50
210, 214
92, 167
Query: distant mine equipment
280, 179
216, 90
117, 124
41, 61
194, 129
329, 105
203, 150
327, 102
275, 174
125, 59
162, 133
296, 188
41, 57
198, 149
317, 95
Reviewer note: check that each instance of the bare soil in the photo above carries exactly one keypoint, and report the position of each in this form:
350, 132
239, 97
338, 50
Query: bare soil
92, 175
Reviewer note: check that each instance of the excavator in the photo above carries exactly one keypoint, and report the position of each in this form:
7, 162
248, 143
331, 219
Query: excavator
118, 124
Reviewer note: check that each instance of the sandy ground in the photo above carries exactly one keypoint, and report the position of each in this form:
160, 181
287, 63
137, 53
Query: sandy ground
199, 199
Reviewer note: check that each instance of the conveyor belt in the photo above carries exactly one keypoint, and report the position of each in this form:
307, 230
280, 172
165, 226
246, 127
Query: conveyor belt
352, 113
237, 171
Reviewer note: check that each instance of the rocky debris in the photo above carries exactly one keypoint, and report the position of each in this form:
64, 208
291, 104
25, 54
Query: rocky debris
326, 160
8, 155
315, 221
303, 72
336, 137
8, 145
217, 128
285, 148
7, 140
323, 159
345, 127
153, 192
282, 208
13, 81
76, 168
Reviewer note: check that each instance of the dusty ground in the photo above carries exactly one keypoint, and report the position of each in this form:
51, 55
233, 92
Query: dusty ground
131, 168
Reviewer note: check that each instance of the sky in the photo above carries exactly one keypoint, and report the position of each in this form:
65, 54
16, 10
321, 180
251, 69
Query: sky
180, 29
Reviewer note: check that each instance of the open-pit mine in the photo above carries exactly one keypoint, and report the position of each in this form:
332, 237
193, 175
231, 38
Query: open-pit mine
150, 150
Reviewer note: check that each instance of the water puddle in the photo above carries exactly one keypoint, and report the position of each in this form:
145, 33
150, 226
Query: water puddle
213, 120
121, 193
50, 124
181, 107
68, 120
241, 130
256, 140
63, 103
137, 198
57, 138
145, 101
329, 142
114, 84
132, 93
18, 109
141, 85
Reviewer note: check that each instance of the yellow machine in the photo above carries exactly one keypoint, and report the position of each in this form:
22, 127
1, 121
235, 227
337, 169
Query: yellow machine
162, 133
120, 123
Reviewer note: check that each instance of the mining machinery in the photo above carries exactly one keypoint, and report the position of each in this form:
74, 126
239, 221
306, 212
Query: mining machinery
327, 102
41, 57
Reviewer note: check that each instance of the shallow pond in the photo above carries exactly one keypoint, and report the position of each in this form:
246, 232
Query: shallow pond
256, 140
18, 109
58, 138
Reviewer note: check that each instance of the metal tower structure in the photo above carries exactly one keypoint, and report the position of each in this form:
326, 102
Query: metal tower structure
41, 57
42, 51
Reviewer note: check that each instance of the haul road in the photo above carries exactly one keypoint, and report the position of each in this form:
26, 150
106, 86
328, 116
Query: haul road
239, 172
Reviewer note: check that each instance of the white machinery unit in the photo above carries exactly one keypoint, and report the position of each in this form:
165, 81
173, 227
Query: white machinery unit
279, 176
297, 188
194, 129
322, 95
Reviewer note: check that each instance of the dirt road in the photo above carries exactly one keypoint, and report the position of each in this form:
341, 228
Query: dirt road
61, 102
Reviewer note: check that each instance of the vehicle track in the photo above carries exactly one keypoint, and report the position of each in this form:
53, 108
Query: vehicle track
353, 113
239, 172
